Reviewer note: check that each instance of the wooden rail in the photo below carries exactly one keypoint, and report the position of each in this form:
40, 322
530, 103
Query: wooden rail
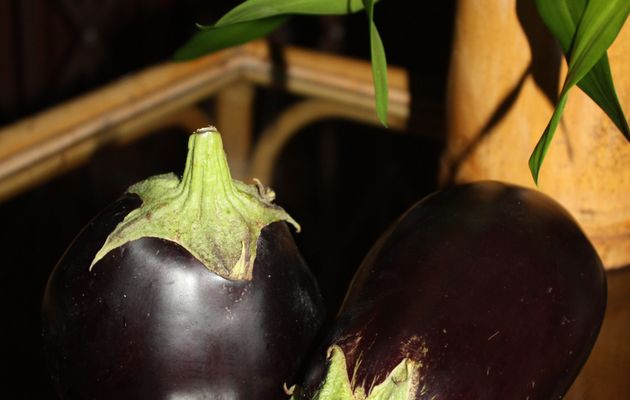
56, 140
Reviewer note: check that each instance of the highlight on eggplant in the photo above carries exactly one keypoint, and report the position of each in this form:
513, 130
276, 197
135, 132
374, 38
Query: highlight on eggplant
182, 288
483, 291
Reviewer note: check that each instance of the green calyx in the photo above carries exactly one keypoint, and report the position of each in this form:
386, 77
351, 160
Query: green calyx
401, 383
217, 219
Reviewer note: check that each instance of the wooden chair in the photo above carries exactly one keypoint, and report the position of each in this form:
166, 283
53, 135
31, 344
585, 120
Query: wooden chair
41, 147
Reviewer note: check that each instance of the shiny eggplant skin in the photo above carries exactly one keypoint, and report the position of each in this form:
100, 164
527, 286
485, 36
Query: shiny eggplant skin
149, 321
493, 288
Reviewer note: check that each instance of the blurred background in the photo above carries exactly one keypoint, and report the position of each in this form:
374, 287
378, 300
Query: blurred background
344, 181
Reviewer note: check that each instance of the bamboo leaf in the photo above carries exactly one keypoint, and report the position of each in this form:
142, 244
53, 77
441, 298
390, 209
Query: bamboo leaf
600, 24
257, 9
540, 151
255, 18
598, 85
598, 27
213, 38
562, 18
379, 66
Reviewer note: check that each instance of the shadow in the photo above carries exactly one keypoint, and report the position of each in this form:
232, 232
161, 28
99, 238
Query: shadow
427, 113
346, 182
544, 68
270, 100
499, 113
278, 60
546, 54
546, 57
425, 53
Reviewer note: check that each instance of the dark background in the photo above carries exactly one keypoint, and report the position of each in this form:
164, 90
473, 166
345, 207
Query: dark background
343, 182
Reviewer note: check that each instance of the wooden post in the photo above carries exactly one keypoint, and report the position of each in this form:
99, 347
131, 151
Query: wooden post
234, 121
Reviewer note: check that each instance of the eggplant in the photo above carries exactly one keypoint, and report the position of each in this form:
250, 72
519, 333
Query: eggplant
483, 291
182, 289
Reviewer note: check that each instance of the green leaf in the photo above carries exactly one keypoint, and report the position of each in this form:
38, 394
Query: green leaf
598, 27
253, 19
598, 85
256, 9
379, 66
540, 151
216, 38
562, 18
601, 22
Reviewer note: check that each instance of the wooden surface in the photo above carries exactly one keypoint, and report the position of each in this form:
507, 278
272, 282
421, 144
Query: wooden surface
505, 75
38, 148
235, 114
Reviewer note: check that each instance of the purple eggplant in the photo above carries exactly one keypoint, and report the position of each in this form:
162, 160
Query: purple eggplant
182, 289
483, 291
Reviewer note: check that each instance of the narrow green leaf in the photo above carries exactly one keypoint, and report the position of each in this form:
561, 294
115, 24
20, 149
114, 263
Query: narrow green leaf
256, 18
598, 85
379, 66
216, 38
256, 9
540, 151
562, 18
600, 24
598, 27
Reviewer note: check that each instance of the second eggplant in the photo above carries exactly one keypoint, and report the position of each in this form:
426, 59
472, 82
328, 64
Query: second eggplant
484, 291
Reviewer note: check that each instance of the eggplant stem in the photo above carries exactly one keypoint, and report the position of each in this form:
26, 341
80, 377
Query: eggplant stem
216, 218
